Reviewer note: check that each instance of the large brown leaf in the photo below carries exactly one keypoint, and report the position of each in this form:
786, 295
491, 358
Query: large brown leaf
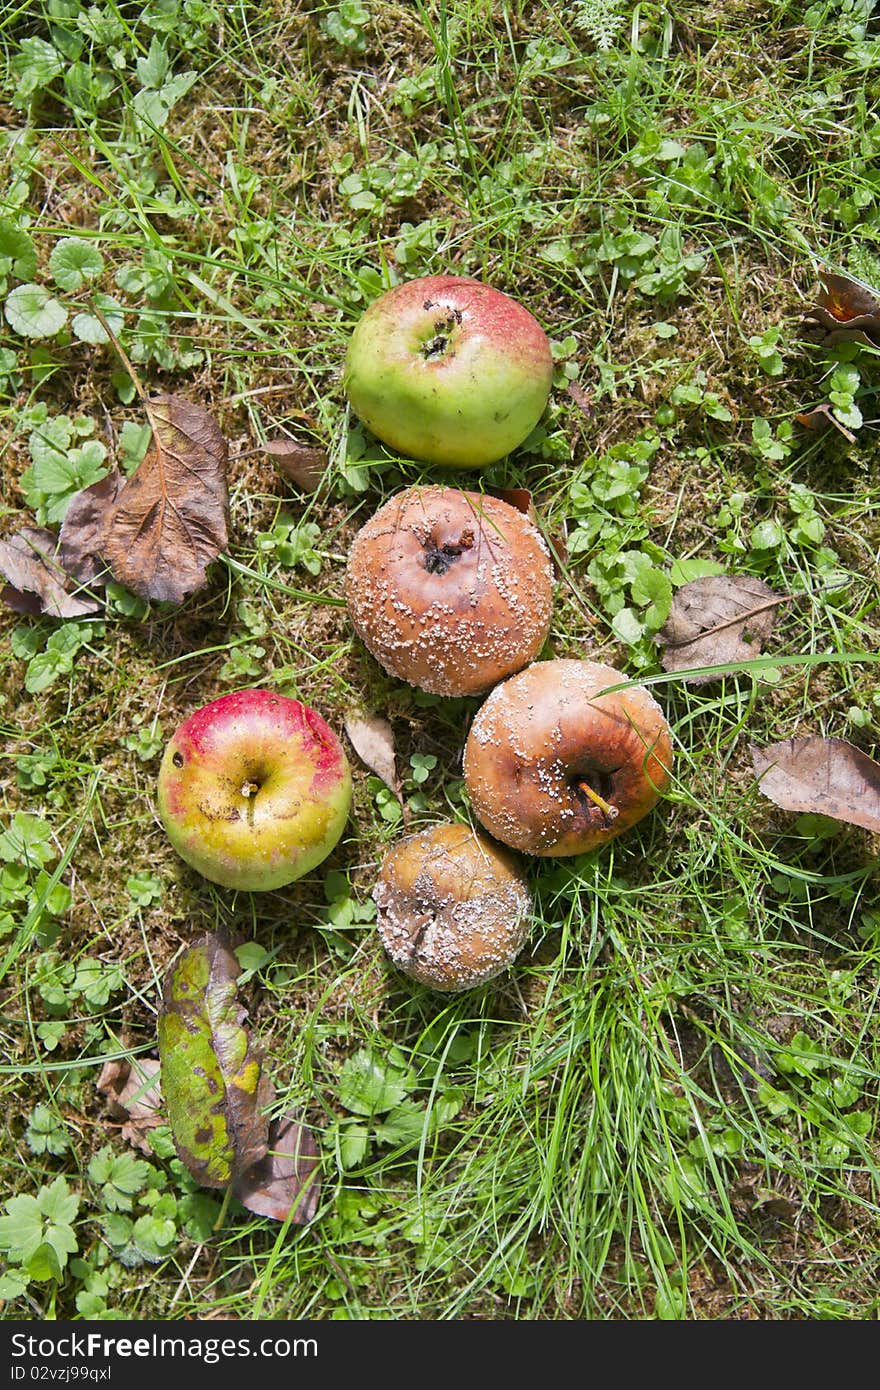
37, 582
84, 526
719, 620
287, 1182
159, 530
825, 776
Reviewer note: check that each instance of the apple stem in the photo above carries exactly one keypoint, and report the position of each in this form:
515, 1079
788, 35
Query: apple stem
249, 790
610, 812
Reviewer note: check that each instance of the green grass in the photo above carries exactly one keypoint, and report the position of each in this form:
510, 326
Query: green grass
667, 1108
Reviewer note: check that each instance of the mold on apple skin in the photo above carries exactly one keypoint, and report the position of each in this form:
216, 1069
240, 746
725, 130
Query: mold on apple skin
554, 767
450, 590
254, 790
453, 908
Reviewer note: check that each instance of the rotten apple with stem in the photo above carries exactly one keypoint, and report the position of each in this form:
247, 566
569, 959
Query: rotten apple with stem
554, 765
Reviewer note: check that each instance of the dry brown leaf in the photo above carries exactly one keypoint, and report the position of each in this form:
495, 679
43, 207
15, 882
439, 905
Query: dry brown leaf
581, 398
134, 1095
721, 619
821, 418
83, 528
160, 529
372, 738
846, 309
518, 497
37, 582
303, 464
824, 776
287, 1182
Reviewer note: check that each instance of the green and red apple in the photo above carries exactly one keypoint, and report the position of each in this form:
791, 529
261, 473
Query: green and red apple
254, 790
448, 370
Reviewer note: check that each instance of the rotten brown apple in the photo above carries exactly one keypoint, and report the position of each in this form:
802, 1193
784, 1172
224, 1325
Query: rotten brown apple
450, 590
453, 908
554, 766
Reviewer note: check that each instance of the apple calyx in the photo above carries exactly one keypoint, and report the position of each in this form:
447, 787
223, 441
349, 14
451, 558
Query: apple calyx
443, 335
439, 558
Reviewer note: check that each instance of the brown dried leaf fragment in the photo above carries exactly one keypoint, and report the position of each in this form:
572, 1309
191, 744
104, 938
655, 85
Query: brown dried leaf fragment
582, 399
287, 1182
821, 418
846, 309
134, 1095
160, 529
303, 464
84, 526
718, 620
823, 776
37, 582
372, 738
520, 498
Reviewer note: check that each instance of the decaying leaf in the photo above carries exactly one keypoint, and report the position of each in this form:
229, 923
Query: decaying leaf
84, 526
846, 309
134, 1095
822, 418
581, 398
372, 738
720, 619
303, 464
824, 776
160, 529
287, 1182
518, 497
212, 1075
36, 581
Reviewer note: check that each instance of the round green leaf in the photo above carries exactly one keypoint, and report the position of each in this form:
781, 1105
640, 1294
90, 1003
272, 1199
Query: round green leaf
683, 571
627, 626
73, 262
369, 1084
31, 311
89, 329
16, 246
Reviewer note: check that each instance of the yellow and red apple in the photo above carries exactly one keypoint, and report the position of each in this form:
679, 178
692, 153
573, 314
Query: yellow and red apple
254, 790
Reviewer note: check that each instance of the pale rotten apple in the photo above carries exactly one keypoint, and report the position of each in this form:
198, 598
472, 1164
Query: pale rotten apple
448, 370
254, 790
